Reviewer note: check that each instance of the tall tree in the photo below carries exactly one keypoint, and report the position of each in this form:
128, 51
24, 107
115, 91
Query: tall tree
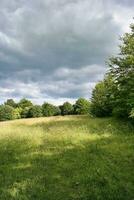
11, 102
122, 70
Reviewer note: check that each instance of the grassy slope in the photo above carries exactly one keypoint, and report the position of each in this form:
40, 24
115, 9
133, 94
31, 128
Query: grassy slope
66, 158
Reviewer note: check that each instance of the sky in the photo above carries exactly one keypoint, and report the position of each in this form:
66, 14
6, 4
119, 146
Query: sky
56, 50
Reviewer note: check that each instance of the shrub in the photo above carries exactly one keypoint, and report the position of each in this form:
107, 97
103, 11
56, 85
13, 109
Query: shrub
48, 110
82, 106
35, 111
119, 112
6, 112
67, 109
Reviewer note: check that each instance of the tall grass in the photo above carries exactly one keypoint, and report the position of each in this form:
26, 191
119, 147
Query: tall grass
66, 158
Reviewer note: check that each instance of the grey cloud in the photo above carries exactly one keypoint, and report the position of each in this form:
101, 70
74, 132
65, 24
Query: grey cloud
57, 48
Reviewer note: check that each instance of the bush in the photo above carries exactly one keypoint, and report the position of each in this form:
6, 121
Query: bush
6, 112
67, 109
35, 111
119, 112
48, 110
82, 106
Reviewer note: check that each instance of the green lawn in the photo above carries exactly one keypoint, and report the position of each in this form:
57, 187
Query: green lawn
66, 158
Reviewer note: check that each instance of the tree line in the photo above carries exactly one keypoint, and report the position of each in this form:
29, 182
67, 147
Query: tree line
25, 109
113, 96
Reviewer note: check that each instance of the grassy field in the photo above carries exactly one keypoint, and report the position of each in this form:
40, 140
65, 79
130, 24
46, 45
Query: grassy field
66, 158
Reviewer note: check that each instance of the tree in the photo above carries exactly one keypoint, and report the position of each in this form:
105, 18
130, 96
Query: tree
66, 109
24, 103
17, 113
102, 98
25, 112
82, 106
57, 110
122, 70
35, 111
6, 112
48, 109
11, 102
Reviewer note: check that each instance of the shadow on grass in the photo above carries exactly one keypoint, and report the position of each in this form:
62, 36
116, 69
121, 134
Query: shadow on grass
97, 170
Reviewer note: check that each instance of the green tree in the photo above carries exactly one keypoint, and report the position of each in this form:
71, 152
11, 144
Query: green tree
24, 103
35, 111
25, 112
6, 112
82, 106
67, 109
11, 102
48, 109
17, 113
122, 70
102, 98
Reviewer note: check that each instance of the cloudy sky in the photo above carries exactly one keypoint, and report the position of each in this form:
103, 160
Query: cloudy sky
55, 50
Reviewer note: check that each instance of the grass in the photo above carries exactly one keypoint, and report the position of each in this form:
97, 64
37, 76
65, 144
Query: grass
66, 158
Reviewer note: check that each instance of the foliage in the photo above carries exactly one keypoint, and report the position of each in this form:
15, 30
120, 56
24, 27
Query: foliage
17, 113
35, 111
102, 98
82, 106
11, 102
25, 112
48, 109
6, 112
132, 114
57, 110
67, 109
24, 103
115, 94
122, 70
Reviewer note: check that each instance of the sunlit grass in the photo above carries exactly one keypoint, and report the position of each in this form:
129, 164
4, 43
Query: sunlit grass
72, 157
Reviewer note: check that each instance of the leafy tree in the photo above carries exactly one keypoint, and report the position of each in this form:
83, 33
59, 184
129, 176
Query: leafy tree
82, 106
25, 112
17, 113
57, 110
48, 109
122, 70
35, 111
102, 98
67, 109
6, 112
11, 102
24, 103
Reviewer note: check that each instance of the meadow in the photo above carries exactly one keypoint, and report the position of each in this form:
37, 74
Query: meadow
67, 158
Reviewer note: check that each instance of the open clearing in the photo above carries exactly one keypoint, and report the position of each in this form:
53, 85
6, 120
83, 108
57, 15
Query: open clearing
66, 158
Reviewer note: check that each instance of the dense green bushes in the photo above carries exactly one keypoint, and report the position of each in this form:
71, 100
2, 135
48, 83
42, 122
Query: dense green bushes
25, 109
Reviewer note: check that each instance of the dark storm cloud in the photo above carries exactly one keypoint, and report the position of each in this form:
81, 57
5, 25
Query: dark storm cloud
57, 48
